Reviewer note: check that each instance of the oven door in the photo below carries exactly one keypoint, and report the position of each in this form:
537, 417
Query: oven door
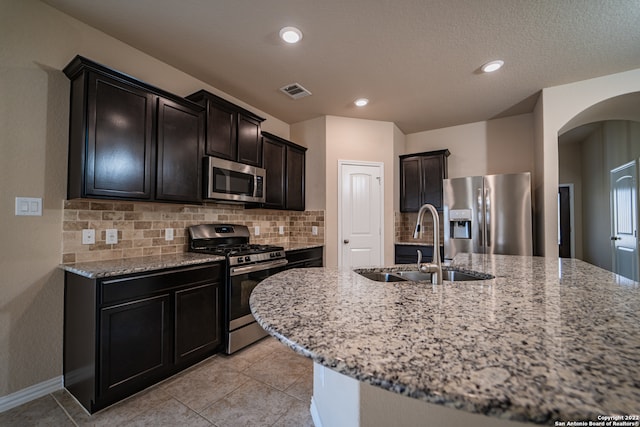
242, 281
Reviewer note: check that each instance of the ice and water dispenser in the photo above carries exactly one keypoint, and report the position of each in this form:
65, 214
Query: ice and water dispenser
460, 223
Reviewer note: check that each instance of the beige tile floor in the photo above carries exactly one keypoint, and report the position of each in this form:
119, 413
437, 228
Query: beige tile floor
266, 384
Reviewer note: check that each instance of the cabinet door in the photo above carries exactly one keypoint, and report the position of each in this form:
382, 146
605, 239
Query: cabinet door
274, 159
249, 141
135, 345
410, 184
197, 328
119, 140
180, 138
432, 175
221, 131
295, 179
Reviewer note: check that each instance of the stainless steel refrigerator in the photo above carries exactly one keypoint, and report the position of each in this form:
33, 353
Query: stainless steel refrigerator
488, 214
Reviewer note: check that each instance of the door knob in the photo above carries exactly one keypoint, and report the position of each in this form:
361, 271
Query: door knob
616, 238
346, 241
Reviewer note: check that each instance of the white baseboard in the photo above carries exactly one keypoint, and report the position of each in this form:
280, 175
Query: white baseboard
30, 393
315, 416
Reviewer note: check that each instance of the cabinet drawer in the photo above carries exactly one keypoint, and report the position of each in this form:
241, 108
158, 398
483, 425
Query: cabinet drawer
126, 288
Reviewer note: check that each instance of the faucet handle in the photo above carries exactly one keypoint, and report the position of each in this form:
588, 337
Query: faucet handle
419, 256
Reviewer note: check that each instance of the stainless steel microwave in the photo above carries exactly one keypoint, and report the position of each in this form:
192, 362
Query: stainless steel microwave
233, 181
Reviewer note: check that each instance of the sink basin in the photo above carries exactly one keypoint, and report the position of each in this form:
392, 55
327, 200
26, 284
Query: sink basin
381, 277
415, 276
459, 276
448, 275
418, 276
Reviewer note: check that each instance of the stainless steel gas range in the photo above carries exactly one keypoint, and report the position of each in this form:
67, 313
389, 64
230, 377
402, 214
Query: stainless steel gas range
247, 265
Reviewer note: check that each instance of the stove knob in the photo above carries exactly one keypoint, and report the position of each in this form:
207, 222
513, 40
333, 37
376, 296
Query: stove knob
247, 258
240, 259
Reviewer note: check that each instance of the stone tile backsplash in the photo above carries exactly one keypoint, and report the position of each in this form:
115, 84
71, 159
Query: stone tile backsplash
141, 227
405, 224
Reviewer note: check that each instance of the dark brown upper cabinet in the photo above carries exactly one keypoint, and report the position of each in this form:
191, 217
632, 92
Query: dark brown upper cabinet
233, 133
421, 177
130, 140
284, 162
180, 142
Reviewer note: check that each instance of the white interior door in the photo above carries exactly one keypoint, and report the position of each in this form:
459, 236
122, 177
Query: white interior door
360, 210
624, 218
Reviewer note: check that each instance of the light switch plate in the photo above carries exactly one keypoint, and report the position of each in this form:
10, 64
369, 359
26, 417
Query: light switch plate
111, 236
257, 230
168, 234
88, 237
281, 229
314, 230
28, 206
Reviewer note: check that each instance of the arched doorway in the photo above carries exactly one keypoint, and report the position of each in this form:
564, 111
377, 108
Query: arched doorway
598, 155
556, 111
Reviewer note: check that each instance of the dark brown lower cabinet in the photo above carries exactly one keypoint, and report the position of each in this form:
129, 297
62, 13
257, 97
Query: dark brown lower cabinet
304, 258
408, 254
133, 344
123, 334
196, 306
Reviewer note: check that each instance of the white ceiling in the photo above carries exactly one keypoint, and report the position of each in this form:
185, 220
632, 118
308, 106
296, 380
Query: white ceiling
416, 60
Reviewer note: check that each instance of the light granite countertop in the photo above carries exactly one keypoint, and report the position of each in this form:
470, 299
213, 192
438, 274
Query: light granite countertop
547, 340
118, 267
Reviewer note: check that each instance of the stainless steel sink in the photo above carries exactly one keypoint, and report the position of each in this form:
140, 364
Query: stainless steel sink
418, 276
415, 276
380, 276
460, 276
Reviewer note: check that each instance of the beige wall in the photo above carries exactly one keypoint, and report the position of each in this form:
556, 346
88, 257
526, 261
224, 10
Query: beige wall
312, 134
482, 148
362, 140
37, 42
399, 147
556, 107
330, 139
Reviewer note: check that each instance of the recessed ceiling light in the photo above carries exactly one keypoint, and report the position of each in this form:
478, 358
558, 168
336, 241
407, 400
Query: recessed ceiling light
291, 34
492, 66
361, 102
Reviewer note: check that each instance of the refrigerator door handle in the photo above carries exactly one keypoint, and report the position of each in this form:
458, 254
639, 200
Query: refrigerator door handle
487, 216
480, 226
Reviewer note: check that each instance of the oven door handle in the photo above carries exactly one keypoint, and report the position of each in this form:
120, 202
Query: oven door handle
235, 271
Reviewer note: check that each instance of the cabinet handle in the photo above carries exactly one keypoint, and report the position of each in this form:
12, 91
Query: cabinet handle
346, 241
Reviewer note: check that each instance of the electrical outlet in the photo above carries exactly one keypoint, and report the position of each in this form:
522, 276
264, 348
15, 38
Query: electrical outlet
257, 230
314, 230
111, 236
281, 229
168, 234
88, 237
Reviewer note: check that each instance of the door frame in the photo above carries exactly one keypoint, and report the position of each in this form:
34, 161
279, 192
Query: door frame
341, 164
571, 218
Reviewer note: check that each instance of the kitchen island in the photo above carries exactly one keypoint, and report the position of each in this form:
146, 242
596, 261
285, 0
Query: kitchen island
547, 340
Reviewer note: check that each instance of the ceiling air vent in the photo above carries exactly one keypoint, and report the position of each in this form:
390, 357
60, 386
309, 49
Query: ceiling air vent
295, 90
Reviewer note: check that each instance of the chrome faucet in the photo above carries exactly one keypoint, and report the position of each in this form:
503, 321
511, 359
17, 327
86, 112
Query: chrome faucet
434, 267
